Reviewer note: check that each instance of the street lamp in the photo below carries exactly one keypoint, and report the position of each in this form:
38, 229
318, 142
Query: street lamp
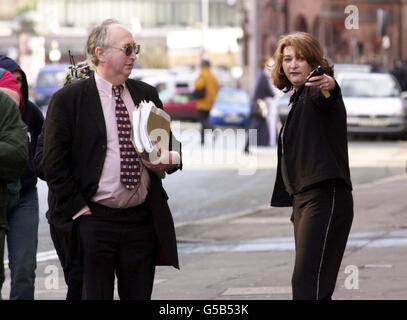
204, 25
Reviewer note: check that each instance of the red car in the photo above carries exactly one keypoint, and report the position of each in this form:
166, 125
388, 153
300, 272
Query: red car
182, 105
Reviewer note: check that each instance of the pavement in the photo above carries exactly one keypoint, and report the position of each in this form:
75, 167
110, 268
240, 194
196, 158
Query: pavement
249, 255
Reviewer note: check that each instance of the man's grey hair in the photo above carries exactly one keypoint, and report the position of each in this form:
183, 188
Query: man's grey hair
98, 37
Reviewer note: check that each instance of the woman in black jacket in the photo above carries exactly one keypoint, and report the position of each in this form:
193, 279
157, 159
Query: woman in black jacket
313, 173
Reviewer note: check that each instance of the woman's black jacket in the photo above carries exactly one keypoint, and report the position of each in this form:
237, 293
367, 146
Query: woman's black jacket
315, 143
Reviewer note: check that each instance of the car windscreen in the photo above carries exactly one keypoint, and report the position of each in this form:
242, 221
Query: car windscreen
369, 87
233, 97
183, 97
51, 79
165, 95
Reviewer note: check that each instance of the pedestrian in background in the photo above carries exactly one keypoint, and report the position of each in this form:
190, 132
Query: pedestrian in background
313, 173
259, 109
273, 118
206, 88
399, 71
124, 222
9, 85
13, 160
69, 258
23, 215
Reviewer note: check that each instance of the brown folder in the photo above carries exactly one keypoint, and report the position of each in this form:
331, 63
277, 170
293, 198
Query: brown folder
151, 125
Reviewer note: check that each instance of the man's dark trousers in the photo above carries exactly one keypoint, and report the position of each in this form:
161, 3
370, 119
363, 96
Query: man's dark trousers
204, 119
74, 272
121, 242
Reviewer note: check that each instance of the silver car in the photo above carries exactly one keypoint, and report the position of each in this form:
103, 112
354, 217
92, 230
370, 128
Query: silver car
374, 104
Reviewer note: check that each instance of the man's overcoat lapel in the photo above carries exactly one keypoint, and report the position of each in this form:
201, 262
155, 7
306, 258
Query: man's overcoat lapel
134, 94
94, 106
93, 103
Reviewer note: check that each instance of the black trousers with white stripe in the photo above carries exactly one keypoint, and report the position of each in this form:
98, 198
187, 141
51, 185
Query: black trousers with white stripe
323, 217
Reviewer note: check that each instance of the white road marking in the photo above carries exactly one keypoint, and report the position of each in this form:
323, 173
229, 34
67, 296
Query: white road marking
242, 291
378, 266
369, 240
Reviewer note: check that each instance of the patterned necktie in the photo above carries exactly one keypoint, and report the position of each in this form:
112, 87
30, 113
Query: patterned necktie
130, 172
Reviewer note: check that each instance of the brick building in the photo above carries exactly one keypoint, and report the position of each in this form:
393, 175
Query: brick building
361, 41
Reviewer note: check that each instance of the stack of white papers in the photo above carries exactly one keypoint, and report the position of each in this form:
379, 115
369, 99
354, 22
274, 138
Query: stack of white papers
140, 120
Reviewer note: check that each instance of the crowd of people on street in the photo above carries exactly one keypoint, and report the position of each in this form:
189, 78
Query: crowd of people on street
107, 208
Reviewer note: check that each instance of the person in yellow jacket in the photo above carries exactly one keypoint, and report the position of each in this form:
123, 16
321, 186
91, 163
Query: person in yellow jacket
206, 88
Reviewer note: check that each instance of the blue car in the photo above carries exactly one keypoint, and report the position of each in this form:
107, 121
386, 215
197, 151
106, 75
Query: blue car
49, 80
231, 108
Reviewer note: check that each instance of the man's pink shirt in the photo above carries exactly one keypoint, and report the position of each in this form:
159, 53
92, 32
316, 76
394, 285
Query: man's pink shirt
111, 192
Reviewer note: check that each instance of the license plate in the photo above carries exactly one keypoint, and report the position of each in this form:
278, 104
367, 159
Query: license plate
373, 122
233, 119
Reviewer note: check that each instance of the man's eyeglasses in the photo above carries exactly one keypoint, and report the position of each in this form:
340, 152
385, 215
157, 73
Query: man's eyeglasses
129, 49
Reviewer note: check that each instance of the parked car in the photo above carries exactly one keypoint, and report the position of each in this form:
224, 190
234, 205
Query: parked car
231, 108
181, 105
339, 68
140, 73
374, 104
168, 82
353, 68
49, 80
